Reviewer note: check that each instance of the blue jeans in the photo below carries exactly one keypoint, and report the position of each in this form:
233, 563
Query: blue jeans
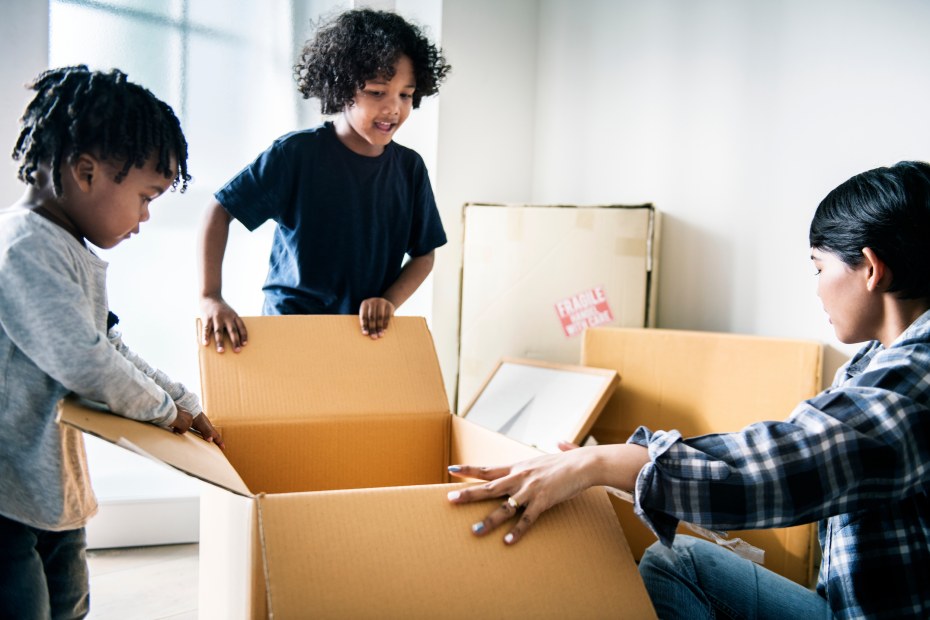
699, 579
42, 574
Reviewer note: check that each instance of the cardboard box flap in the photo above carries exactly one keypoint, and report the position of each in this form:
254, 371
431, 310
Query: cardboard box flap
187, 453
520, 205
408, 553
473, 444
707, 382
699, 382
305, 367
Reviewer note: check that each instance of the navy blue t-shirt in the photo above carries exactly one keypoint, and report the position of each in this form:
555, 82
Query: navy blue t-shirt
344, 220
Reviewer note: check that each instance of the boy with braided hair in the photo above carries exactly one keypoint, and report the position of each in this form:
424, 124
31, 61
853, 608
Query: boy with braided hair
96, 149
349, 203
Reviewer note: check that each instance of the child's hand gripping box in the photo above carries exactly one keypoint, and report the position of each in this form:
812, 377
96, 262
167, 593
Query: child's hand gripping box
330, 500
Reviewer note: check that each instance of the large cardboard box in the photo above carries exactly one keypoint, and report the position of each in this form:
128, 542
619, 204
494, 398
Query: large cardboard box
330, 500
698, 383
534, 277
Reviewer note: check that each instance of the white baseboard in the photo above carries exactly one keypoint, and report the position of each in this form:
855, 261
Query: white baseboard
140, 523
141, 502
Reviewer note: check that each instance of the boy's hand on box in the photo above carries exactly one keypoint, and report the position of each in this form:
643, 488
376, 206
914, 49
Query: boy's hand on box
182, 423
219, 321
203, 426
374, 315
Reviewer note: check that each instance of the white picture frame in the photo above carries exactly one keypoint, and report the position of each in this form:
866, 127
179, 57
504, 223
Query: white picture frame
541, 403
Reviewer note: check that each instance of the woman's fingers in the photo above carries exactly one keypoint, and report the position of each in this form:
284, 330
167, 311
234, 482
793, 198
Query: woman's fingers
480, 473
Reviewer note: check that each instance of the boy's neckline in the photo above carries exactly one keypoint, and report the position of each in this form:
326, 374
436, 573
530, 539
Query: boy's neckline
55, 219
362, 156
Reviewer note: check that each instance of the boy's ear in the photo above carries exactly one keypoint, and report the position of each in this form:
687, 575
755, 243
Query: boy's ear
83, 168
879, 275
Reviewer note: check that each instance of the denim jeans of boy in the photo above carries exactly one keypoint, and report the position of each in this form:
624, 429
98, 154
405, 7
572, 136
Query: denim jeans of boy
42, 574
698, 579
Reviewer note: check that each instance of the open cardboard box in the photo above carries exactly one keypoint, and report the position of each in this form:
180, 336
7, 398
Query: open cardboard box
330, 500
704, 382
541, 403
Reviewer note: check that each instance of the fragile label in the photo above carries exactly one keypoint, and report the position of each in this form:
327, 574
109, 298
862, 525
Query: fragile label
586, 309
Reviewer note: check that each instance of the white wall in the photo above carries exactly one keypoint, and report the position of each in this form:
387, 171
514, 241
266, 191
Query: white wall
734, 118
24, 46
486, 135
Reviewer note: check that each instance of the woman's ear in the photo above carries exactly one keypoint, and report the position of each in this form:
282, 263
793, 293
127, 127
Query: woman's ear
878, 273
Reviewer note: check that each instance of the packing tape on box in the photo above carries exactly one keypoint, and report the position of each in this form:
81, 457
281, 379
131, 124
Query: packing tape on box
514, 225
585, 219
627, 246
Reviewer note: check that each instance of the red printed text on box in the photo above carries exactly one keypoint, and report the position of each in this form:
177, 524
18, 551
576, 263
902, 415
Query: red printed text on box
586, 309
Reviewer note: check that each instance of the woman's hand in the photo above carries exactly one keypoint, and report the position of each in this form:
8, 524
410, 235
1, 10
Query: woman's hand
531, 487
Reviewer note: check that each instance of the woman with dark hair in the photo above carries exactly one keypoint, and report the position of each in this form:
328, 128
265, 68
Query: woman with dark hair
856, 457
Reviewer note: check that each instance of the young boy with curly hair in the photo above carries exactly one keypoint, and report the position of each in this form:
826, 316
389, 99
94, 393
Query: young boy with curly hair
855, 458
348, 201
96, 150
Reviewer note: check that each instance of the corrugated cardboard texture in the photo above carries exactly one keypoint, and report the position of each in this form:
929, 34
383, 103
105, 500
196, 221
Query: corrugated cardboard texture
398, 551
429, 565
699, 383
187, 453
350, 453
519, 261
345, 553
331, 370
475, 445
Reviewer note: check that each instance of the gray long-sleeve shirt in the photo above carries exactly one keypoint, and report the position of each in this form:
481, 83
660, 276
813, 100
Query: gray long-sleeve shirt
54, 341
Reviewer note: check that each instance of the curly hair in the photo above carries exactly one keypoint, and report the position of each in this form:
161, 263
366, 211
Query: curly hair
360, 45
76, 111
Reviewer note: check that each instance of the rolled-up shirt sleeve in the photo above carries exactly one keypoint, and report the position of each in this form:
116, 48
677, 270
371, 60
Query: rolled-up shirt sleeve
863, 442
48, 315
182, 397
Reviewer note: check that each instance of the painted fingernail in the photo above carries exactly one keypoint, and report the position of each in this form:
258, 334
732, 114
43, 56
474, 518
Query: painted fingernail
477, 528
453, 469
508, 539
453, 495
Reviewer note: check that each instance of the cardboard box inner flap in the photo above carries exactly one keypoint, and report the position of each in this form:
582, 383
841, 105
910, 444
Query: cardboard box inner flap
313, 419
262, 385
354, 453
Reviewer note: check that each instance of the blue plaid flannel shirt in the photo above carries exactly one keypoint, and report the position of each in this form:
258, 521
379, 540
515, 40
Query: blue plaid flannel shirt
856, 457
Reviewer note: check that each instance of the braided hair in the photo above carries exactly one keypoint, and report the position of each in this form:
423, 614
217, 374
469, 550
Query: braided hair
361, 45
76, 110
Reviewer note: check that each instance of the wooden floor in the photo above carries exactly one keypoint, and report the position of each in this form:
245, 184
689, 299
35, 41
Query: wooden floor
144, 583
